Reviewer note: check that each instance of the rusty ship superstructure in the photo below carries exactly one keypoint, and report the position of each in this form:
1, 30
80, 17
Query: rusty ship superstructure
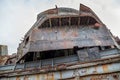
66, 44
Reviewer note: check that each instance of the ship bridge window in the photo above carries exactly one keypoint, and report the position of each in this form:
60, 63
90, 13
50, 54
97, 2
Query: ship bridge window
74, 20
55, 22
46, 24
87, 20
65, 21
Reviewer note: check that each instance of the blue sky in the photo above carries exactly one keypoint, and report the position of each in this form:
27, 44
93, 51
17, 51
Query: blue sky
17, 16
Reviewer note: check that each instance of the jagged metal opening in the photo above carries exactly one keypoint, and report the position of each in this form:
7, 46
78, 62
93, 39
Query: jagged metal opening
34, 56
86, 20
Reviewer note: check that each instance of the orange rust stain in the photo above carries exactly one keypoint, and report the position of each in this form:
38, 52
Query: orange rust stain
26, 78
75, 34
60, 75
50, 76
37, 77
47, 76
17, 78
105, 68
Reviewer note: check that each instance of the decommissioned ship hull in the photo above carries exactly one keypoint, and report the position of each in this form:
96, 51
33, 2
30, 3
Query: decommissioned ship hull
66, 44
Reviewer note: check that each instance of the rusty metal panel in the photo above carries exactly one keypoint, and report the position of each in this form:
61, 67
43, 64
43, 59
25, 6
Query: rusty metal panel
51, 39
50, 76
71, 71
109, 53
88, 54
7, 68
83, 55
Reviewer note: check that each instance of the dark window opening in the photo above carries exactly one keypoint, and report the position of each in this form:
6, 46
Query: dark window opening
107, 47
83, 20
55, 22
56, 53
33, 56
29, 57
65, 21
92, 21
46, 24
86, 20
101, 48
74, 21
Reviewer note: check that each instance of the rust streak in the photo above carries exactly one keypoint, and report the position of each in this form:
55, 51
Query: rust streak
17, 78
105, 68
60, 75
52, 76
37, 77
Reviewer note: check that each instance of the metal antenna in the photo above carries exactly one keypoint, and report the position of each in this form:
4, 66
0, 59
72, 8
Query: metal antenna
56, 6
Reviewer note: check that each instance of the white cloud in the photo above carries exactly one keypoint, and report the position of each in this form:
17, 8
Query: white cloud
17, 16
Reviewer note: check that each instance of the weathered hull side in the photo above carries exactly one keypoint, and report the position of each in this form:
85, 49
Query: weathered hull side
100, 70
103, 72
111, 76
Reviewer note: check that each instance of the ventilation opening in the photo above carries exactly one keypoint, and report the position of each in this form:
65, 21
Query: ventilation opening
86, 20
